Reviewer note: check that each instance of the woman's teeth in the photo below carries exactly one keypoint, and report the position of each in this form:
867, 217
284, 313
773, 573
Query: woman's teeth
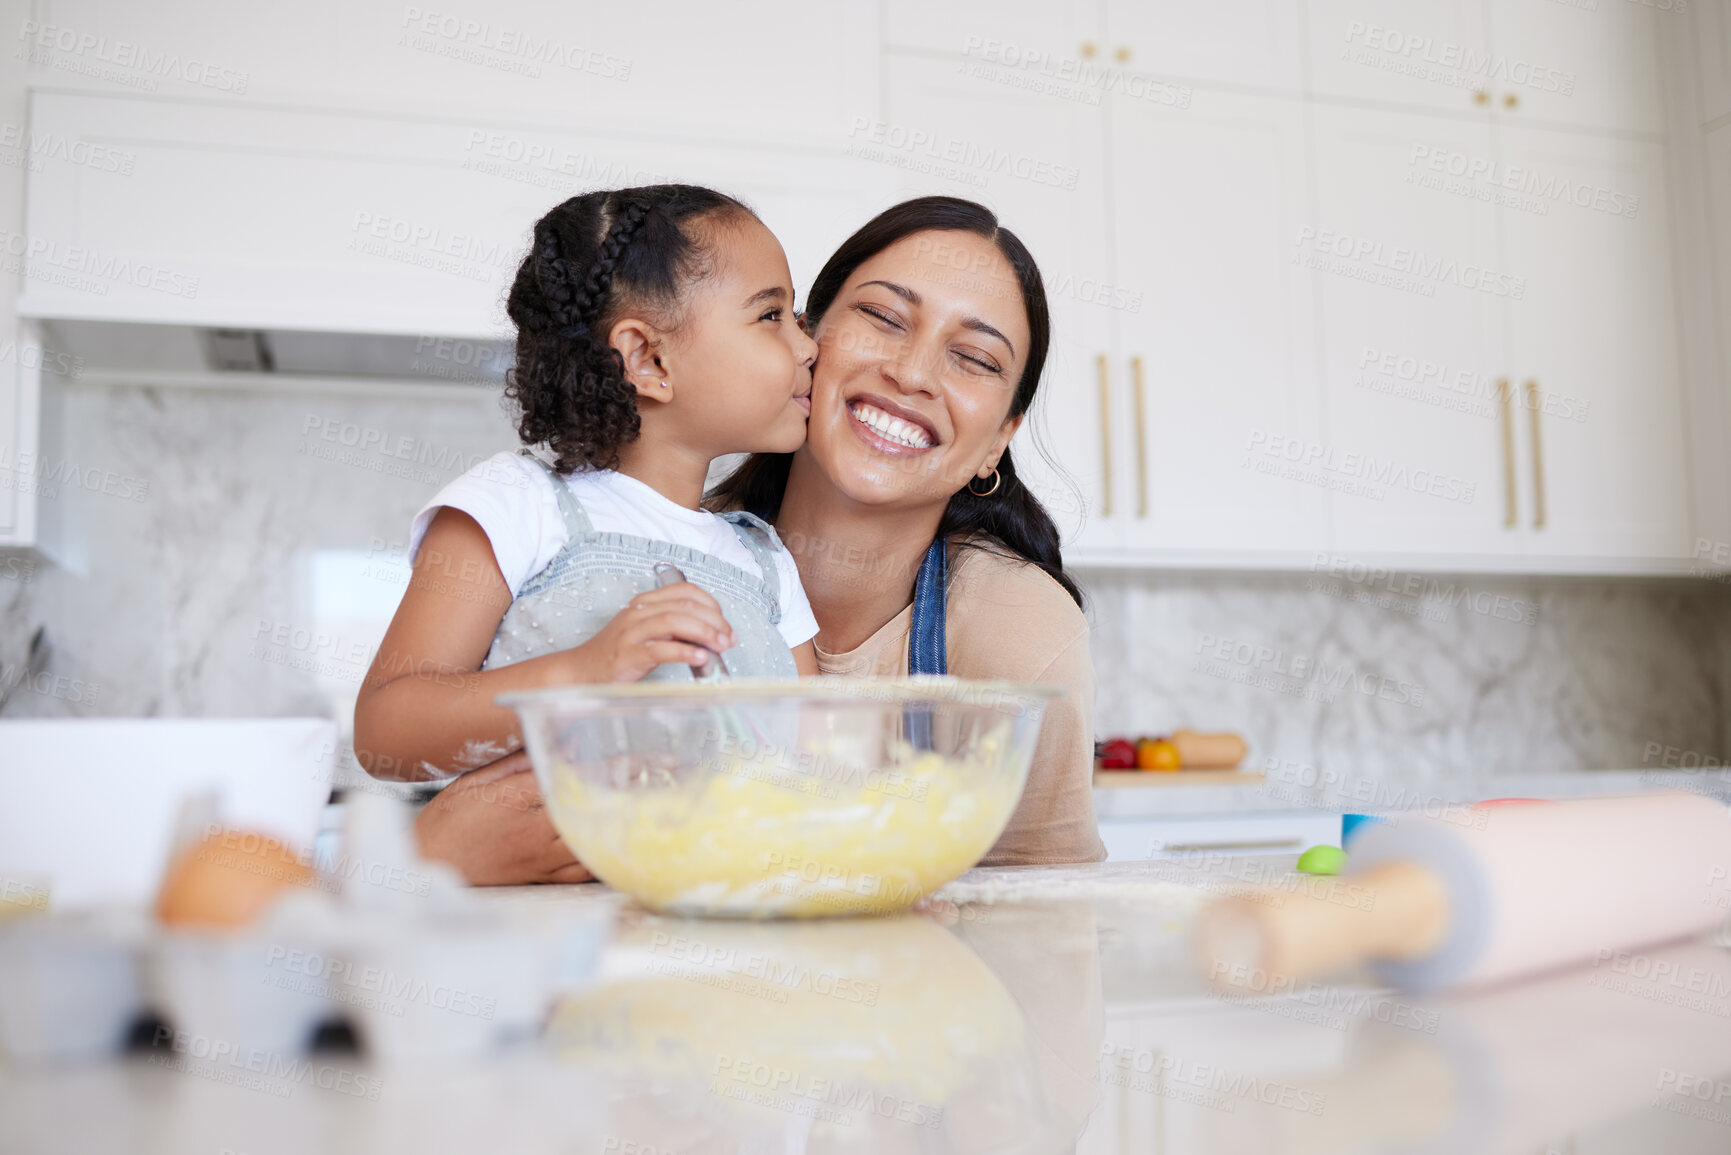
891, 428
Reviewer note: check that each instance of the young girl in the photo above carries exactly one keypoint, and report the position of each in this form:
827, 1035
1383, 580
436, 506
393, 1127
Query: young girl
655, 332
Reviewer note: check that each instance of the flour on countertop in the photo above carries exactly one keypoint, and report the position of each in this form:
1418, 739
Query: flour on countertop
1139, 880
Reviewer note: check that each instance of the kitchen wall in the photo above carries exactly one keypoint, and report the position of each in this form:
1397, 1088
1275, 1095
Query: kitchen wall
248, 554
252, 548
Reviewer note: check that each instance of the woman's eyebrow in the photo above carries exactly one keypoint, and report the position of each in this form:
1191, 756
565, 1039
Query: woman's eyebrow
980, 326
901, 291
973, 323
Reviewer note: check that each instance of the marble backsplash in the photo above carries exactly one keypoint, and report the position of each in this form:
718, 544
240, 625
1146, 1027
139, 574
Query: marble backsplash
250, 553
1418, 678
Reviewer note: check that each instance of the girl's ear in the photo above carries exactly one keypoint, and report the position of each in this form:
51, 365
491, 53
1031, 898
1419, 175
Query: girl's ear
635, 340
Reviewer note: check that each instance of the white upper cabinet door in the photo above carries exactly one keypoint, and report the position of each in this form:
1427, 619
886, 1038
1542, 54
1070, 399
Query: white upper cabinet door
1241, 42
1595, 67
1036, 161
1596, 334
1711, 32
702, 69
1429, 53
1042, 41
1208, 205
228, 215
1412, 296
1714, 432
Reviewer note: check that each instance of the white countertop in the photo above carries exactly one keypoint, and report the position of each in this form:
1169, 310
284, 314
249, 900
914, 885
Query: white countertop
1307, 788
1050, 1009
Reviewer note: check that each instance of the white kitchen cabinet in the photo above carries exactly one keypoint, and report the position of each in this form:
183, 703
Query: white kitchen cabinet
1717, 150
1711, 36
615, 68
1594, 68
1596, 335
1037, 39
1539, 59
1206, 206
246, 217
1411, 355
34, 475
1325, 315
1144, 49
1255, 43
976, 136
257, 217
1579, 321
1430, 54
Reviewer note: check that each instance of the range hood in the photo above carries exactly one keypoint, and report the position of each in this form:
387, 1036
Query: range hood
121, 351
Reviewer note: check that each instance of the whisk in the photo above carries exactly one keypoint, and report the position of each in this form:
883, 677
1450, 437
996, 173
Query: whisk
715, 668
733, 724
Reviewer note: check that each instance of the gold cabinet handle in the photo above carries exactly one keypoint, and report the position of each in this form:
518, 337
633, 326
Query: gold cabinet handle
1141, 440
1534, 400
1105, 439
1505, 395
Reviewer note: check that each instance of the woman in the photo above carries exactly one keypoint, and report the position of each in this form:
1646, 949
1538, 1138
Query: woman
920, 549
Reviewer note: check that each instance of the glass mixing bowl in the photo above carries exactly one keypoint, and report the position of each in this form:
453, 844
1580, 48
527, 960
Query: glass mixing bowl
771, 798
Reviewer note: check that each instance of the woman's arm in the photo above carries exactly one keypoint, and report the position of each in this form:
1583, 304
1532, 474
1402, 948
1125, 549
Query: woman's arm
425, 709
1007, 619
492, 826
1054, 822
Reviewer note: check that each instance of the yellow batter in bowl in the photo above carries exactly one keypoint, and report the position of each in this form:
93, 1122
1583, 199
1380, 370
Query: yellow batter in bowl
747, 841
782, 799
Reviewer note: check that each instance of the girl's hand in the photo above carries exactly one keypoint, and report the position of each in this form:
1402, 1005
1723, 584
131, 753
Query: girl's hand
492, 826
676, 623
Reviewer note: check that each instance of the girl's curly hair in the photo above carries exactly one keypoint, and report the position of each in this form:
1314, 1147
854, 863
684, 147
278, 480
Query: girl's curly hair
595, 258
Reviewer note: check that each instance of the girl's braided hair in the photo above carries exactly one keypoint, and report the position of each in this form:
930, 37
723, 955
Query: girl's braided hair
595, 258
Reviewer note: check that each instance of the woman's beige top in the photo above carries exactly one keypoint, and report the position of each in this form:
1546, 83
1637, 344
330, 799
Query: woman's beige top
1007, 619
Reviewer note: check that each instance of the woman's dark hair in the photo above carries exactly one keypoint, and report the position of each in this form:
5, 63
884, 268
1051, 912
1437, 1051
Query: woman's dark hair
1012, 517
593, 258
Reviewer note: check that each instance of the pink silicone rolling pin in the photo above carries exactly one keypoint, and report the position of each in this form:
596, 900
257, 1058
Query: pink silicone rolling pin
1493, 894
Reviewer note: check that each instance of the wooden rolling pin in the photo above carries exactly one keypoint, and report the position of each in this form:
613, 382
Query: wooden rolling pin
1492, 894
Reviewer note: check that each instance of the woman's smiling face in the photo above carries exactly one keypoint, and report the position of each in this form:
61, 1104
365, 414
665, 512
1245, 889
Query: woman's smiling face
918, 361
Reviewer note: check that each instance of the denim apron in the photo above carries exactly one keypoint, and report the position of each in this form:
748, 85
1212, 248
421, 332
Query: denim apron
926, 637
926, 643
596, 575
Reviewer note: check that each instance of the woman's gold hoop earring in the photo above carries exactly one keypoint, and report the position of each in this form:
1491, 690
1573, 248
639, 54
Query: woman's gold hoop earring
989, 492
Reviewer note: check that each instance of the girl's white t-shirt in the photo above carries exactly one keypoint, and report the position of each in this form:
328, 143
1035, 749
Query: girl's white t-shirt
514, 502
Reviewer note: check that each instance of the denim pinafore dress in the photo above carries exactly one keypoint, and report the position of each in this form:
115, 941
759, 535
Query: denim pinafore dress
928, 647
928, 644
596, 575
